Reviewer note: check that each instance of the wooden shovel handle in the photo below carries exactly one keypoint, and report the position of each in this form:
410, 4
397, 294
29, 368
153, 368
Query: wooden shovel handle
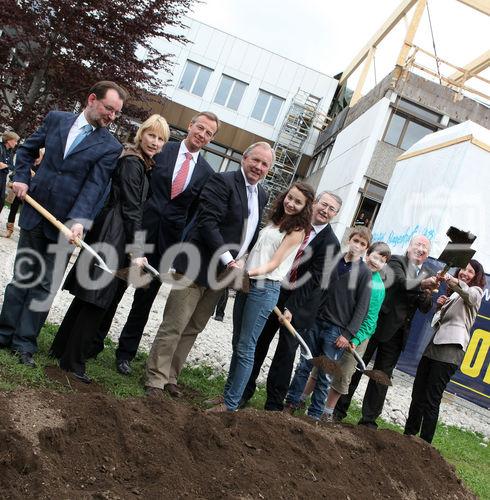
50, 217
286, 322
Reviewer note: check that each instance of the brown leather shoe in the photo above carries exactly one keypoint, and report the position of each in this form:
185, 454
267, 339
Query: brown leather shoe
10, 229
174, 390
215, 401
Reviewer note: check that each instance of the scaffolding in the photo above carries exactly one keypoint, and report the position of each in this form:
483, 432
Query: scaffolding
300, 118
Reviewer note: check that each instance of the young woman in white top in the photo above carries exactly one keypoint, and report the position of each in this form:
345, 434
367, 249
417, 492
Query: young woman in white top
445, 352
269, 262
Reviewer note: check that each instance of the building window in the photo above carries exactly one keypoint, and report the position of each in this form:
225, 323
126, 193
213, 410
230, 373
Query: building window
230, 92
404, 132
371, 198
195, 78
267, 107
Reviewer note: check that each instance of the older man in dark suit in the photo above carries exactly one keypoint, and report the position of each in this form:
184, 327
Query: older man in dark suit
299, 300
80, 157
175, 185
225, 228
408, 287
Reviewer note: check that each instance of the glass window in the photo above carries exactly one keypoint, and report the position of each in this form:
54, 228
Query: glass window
267, 107
394, 130
414, 133
223, 90
404, 132
213, 159
195, 78
233, 166
230, 92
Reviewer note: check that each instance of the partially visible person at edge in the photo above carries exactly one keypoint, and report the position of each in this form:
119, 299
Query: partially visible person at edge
176, 182
78, 163
224, 230
408, 288
297, 298
269, 262
344, 304
445, 352
7, 147
119, 225
17, 202
377, 255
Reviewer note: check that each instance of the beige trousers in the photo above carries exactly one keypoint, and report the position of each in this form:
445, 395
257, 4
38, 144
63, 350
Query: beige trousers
186, 314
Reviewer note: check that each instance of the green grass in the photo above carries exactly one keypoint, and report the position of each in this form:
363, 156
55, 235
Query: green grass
461, 448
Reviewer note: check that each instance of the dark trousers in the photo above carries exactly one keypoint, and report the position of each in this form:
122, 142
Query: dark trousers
14, 209
387, 355
281, 368
75, 335
96, 344
430, 382
132, 332
221, 305
28, 297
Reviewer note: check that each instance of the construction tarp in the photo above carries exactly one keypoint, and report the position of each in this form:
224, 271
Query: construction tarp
443, 180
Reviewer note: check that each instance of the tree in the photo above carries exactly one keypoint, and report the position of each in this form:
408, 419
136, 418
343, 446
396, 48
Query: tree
52, 51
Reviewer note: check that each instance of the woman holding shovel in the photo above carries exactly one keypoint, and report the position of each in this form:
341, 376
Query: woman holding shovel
268, 264
117, 226
445, 352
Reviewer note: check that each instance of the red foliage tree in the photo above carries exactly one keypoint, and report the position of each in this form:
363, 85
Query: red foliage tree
52, 51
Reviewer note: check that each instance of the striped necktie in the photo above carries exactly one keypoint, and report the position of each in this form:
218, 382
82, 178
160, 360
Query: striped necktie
179, 181
293, 274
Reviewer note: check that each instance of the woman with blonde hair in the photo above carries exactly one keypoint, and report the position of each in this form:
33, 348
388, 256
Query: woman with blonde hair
117, 225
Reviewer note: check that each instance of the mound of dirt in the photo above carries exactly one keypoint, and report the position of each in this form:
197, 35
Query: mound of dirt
90, 445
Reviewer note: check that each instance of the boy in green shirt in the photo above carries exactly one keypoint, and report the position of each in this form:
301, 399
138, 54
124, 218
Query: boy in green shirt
377, 256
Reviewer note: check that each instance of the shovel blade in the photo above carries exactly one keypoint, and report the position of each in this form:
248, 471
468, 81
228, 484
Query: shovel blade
326, 365
379, 376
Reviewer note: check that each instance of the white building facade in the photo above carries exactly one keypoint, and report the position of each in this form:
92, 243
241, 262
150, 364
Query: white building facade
248, 87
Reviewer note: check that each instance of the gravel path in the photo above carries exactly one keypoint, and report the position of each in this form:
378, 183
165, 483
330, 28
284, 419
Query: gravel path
213, 348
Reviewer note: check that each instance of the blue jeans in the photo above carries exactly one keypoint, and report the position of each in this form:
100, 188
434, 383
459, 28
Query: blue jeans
321, 341
250, 314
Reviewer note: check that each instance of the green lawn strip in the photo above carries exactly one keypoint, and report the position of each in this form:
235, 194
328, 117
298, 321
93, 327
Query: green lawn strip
465, 450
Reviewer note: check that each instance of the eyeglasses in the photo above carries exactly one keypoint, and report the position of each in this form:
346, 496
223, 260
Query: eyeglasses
110, 109
329, 208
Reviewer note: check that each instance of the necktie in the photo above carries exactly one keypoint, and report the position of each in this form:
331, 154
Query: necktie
250, 197
179, 181
293, 274
84, 132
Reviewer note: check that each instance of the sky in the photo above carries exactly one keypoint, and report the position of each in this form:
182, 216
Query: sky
327, 34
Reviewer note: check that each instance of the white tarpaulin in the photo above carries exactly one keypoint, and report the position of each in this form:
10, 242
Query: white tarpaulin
441, 181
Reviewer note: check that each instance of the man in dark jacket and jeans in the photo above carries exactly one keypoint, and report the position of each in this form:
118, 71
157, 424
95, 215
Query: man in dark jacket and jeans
343, 307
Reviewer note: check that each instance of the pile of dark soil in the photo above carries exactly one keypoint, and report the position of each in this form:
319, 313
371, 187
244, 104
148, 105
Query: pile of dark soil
90, 445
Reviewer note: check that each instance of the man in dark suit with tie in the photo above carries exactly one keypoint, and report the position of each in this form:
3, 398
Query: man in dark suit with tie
408, 288
79, 159
176, 183
225, 229
299, 301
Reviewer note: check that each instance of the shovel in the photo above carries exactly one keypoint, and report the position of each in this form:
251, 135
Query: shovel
377, 375
458, 251
61, 227
325, 364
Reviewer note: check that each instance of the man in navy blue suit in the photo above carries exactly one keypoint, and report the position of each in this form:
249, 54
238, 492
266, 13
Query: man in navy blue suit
175, 186
79, 159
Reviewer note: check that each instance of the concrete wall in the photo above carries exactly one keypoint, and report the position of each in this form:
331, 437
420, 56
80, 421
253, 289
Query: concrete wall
383, 162
253, 65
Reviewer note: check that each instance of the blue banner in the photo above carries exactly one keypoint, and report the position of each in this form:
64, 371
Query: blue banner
472, 380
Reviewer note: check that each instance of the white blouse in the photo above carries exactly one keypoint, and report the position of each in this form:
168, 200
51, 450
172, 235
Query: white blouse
269, 240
